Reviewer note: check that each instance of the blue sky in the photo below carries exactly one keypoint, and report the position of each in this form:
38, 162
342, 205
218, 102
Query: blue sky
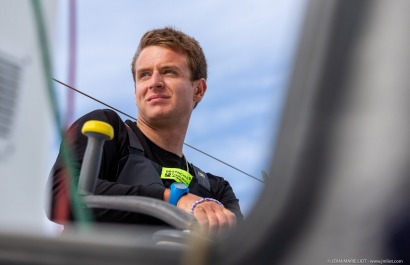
249, 46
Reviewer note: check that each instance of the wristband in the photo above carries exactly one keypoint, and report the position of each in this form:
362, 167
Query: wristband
177, 190
204, 200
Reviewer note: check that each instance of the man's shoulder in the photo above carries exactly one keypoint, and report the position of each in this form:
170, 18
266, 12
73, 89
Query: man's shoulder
103, 114
212, 176
208, 179
215, 180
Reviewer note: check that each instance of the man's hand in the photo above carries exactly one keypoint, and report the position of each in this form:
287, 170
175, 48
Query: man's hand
212, 217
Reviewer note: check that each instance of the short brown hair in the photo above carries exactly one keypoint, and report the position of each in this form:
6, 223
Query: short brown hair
176, 40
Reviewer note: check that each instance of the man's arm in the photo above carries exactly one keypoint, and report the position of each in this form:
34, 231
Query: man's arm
213, 218
112, 151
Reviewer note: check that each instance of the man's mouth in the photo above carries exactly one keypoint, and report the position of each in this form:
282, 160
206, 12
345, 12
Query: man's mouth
157, 97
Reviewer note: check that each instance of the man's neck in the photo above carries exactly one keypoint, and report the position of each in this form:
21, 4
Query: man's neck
170, 138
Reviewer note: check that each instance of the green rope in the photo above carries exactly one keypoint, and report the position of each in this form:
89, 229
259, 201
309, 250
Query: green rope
81, 214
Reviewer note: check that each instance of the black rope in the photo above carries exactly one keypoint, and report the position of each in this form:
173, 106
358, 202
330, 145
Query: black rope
88, 96
133, 118
219, 160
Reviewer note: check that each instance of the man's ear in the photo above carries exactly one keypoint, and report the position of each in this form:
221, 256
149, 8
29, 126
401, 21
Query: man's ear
200, 90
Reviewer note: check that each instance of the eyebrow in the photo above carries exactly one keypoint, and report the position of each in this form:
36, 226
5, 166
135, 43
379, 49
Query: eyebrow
172, 67
161, 68
141, 70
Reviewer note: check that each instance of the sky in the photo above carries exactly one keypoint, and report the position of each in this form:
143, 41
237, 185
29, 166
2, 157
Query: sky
249, 46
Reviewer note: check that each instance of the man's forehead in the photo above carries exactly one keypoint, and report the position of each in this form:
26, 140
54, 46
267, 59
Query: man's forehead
153, 55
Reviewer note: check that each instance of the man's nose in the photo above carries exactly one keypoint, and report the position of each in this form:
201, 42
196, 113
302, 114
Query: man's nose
156, 80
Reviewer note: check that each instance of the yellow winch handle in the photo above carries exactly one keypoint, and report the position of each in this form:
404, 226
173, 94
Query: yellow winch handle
98, 127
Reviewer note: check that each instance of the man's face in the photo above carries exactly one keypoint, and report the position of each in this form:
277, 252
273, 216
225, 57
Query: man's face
164, 91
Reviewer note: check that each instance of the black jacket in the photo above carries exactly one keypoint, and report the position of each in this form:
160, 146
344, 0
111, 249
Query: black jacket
115, 155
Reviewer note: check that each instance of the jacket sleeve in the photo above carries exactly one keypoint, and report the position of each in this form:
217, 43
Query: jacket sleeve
223, 192
62, 208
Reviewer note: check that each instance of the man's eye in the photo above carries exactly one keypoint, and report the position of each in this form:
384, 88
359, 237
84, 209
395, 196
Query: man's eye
169, 72
143, 74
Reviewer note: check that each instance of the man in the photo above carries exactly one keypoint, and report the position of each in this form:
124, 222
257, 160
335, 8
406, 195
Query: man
145, 158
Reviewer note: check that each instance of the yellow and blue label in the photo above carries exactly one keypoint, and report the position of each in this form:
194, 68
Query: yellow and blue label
177, 174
